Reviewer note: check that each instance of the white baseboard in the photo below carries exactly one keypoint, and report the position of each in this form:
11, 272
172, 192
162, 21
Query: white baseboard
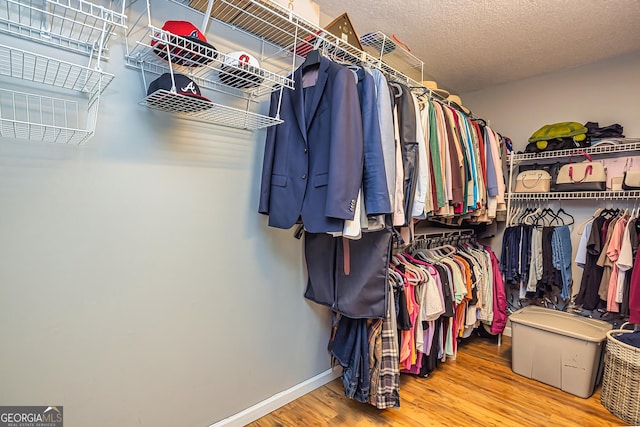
278, 400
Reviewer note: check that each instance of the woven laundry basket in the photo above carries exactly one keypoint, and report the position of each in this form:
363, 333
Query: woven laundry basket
620, 392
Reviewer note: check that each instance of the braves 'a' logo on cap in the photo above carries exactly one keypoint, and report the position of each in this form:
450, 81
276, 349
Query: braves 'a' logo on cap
191, 87
194, 34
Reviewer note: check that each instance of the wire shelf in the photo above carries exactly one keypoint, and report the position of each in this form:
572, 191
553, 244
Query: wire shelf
275, 24
41, 118
269, 23
264, 19
577, 195
161, 51
76, 25
380, 46
618, 145
52, 72
206, 111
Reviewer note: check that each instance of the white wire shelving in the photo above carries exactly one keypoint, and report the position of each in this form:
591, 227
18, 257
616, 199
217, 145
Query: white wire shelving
75, 25
37, 116
577, 195
41, 118
51, 72
392, 52
161, 52
285, 33
158, 52
208, 112
279, 26
45, 98
603, 146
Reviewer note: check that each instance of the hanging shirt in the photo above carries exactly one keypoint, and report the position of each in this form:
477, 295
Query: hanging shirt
422, 183
387, 132
581, 252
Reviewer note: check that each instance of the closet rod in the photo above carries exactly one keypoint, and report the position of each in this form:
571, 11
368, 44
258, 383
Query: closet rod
438, 232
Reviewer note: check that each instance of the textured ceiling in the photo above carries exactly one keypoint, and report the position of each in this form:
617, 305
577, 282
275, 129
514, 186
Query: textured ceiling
472, 45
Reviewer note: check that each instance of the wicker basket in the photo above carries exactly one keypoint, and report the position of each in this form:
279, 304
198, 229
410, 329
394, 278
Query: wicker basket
621, 380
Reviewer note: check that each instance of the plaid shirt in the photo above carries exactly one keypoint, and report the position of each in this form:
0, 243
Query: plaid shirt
388, 380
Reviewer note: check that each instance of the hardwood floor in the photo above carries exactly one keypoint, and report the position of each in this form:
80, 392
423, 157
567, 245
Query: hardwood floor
477, 389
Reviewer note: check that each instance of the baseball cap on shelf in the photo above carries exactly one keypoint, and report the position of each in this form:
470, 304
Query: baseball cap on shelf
240, 69
184, 86
186, 44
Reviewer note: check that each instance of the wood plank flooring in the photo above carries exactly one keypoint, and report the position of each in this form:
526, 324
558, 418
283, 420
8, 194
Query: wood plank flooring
477, 389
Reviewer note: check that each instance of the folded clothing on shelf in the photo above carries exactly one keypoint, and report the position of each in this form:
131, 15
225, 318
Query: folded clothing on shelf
612, 131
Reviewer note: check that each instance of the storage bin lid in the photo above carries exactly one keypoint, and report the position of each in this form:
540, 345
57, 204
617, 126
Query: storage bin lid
562, 323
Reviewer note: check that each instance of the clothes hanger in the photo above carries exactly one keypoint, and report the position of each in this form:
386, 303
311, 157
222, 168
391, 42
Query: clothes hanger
520, 213
530, 215
562, 211
313, 58
512, 215
547, 215
556, 218
397, 89
540, 217
584, 223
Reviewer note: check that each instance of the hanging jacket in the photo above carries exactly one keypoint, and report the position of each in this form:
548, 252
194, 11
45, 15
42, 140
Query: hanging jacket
408, 144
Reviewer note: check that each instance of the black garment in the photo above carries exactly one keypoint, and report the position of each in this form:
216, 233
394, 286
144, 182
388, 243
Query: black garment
509, 263
550, 275
408, 143
359, 290
525, 253
588, 294
430, 362
446, 290
612, 131
402, 312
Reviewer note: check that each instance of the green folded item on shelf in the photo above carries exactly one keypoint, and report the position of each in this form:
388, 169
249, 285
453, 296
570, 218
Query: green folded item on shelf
560, 130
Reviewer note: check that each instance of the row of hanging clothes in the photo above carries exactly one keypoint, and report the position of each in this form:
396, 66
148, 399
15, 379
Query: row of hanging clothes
438, 293
608, 254
536, 257
459, 174
361, 153
359, 156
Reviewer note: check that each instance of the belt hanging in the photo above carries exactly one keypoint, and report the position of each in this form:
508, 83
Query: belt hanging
346, 262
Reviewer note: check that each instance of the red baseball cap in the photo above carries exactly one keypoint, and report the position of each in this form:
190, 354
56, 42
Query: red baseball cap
195, 54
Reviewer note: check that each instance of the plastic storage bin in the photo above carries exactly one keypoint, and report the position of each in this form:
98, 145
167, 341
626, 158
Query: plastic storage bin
557, 348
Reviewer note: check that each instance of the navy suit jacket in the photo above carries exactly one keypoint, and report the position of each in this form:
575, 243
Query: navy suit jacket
313, 162
374, 180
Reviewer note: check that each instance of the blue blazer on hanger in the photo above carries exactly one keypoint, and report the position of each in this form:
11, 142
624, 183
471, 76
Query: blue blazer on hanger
374, 181
313, 162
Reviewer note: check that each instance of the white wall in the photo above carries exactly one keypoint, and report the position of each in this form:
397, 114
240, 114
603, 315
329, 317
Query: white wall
606, 92
139, 285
